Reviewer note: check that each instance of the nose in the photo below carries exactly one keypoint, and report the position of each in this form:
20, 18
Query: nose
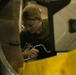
28, 28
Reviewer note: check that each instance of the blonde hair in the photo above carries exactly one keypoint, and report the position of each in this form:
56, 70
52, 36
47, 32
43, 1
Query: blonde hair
31, 12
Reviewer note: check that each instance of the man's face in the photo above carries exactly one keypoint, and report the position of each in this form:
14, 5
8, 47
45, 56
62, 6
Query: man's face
32, 25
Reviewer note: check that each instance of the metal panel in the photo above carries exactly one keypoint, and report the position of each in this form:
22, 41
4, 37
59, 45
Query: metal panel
9, 35
64, 40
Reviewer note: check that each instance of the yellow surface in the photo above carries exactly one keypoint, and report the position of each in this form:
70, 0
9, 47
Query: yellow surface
20, 71
64, 64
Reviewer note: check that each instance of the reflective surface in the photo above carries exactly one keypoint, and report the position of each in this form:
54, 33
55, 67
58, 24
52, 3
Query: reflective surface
10, 52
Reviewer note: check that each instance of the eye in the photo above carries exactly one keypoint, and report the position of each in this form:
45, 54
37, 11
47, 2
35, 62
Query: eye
30, 25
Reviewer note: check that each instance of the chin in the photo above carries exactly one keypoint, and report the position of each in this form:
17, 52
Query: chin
32, 32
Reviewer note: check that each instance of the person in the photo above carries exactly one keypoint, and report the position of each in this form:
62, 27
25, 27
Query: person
36, 33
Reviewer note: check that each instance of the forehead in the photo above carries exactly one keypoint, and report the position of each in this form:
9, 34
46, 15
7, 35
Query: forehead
29, 20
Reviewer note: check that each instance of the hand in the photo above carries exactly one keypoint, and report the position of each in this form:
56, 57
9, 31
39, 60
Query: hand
30, 53
33, 53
